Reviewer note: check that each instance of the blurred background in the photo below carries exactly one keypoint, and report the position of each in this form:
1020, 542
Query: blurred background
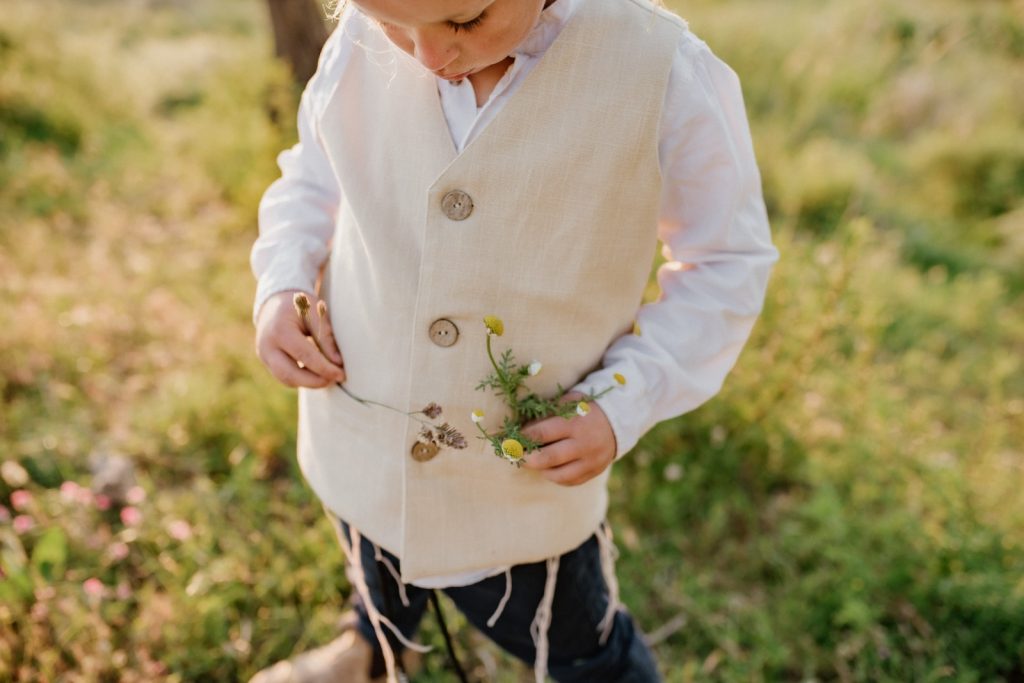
849, 508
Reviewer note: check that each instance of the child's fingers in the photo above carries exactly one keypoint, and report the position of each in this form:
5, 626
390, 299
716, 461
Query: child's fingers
304, 351
571, 474
553, 455
328, 342
283, 367
548, 430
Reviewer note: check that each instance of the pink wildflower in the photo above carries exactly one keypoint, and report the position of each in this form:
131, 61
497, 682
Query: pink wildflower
179, 530
102, 501
118, 551
93, 587
130, 516
21, 499
5, 514
22, 523
70, 491
123, 591
135, 495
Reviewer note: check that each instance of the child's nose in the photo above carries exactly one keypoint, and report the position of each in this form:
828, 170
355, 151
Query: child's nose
433, 50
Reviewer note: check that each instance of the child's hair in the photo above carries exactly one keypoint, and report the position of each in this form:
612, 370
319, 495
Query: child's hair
336, 7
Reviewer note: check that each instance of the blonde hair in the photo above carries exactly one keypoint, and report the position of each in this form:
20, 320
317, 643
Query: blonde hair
334, 9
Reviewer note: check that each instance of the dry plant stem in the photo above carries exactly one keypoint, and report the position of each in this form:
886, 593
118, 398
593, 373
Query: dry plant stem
366, 401
302, 308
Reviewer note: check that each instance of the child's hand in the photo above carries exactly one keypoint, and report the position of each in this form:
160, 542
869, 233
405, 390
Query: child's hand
575, 450
282, 345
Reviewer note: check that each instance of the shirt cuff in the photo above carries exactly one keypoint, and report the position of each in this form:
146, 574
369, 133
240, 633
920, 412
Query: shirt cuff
272, 284
622, 405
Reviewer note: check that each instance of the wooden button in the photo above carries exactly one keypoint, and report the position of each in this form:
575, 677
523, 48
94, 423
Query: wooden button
457, 205
443, 332
422, 452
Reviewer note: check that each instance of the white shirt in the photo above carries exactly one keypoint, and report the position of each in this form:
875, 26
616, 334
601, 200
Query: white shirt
713, 227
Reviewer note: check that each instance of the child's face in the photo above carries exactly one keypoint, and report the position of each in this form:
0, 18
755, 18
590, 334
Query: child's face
455, 38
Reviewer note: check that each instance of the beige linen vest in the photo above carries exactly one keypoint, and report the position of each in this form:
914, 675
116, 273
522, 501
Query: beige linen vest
564, 185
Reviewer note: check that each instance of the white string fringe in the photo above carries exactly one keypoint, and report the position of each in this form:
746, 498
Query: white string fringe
356, 575
379, 556
542, 621
504, 600
411, 644
358, 579
609, 553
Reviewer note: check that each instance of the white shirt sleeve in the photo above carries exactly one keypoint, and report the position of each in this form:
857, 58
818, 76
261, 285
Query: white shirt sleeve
714, 228
297, 212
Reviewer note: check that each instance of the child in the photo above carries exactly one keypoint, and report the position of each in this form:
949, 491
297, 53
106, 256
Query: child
513, 158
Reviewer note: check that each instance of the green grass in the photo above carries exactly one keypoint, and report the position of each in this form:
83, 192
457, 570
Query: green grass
846, 509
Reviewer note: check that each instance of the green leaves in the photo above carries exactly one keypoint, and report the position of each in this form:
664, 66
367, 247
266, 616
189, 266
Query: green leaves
507, 382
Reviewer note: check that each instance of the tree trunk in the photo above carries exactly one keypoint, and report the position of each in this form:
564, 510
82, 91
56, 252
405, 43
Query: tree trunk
299, 34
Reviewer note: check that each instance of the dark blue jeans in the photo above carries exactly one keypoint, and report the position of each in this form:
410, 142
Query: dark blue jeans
580, 601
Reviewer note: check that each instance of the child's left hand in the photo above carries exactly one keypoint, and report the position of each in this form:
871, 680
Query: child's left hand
575, 450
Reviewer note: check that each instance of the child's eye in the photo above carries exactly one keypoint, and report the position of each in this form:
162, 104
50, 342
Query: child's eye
467, 25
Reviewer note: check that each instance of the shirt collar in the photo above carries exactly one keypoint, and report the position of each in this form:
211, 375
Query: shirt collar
552, 20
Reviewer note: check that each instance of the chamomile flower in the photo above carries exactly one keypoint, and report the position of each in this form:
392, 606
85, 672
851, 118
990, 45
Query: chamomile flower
534, 368
512, 449
582, 408
494, 325
619, 378
477, 416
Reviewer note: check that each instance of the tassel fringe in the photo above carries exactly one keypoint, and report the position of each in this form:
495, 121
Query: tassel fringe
542, 621
504, 600
609, 553
353, 552
379, 556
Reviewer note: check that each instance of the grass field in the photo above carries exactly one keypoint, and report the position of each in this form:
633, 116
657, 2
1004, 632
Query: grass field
849, 507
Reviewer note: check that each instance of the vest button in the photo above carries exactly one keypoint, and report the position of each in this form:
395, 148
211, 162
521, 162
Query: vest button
457, 205
443, 332
422, 452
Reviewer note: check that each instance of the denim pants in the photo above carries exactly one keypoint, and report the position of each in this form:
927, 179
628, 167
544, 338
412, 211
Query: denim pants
580, 602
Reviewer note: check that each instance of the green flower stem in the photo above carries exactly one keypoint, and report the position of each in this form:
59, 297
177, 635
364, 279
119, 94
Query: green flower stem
494, 364
508, 386
483, 431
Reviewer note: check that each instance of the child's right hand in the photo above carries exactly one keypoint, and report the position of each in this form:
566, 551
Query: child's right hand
282, 345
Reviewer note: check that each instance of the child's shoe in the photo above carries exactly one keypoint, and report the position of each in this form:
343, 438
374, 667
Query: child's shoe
346, 659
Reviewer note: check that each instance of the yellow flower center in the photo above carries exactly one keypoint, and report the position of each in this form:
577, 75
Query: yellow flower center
582, 408
512, 448
619, 378
494, 325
